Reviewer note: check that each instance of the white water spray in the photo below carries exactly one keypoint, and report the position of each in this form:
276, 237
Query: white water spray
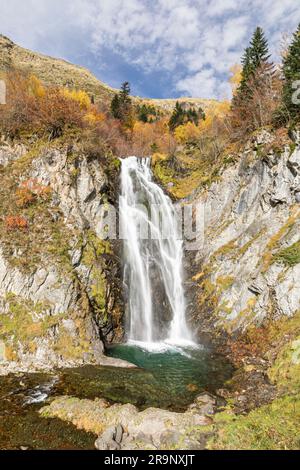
152, 257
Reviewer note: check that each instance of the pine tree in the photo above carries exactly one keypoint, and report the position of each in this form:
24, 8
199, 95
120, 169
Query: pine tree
121, 106
291, 72
247, 69
125, 93
257, 96
259, 49
115, 107
177, 117
256, 56
181, 116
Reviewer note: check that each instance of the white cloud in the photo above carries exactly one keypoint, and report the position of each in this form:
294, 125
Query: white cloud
196, 40
219, 7
204, 84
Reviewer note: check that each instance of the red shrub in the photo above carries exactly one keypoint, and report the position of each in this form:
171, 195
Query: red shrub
16, 222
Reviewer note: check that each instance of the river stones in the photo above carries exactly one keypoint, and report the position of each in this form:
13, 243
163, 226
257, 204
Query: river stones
124, 427
110, 439
204, 404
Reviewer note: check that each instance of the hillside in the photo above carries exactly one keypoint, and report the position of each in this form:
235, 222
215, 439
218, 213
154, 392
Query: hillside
54, 71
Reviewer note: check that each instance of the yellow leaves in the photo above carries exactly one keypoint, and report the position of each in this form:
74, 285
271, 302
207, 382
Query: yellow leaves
216, 112
81, 97
236, 76
35, 87
93, 117
187, 132
156, 157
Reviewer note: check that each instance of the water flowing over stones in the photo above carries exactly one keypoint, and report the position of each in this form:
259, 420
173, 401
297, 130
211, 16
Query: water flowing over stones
153, 255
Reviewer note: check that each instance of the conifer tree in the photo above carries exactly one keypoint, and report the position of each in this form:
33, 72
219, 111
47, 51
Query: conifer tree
259, 49
177, 117
246, 70
125, 93
121, 106
258, 94
115, 107
256, 56
181, 116
291, 72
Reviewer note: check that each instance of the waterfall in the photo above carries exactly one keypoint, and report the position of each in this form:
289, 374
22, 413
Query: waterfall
153, 255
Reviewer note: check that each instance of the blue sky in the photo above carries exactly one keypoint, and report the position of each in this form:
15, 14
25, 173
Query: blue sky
165, 48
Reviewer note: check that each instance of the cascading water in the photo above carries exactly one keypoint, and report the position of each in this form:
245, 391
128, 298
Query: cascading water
153, 255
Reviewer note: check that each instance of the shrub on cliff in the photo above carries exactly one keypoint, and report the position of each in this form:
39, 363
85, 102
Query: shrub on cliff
32, 108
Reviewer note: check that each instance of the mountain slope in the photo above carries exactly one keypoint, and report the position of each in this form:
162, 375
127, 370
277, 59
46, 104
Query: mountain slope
59, 72
52, 71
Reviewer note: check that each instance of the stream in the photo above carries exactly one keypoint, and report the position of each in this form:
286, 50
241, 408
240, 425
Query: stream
168, 378
171, 368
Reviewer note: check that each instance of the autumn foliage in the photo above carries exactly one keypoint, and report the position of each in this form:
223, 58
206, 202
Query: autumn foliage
14, 223
30, 191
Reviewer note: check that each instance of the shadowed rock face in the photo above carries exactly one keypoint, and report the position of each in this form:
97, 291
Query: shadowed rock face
238, 277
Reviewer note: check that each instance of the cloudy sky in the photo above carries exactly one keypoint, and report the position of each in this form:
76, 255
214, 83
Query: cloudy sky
165, 48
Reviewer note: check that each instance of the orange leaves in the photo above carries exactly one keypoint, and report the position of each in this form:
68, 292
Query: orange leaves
35, 87
149, 137
34, 107
16, 222
93, 117
24, 197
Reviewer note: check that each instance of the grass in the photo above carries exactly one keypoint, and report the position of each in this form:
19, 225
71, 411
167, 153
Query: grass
273, 426
20, 323
273, 244
289, 256
269, 427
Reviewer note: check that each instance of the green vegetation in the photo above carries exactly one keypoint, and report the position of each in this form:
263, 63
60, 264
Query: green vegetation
121, 106
25, 320
285, 371
181, 116
270, 427
190, 169
147, 113
93, 258
274, 241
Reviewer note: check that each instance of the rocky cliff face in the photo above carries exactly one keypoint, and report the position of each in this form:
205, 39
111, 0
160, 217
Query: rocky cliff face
59, 282
248, 268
